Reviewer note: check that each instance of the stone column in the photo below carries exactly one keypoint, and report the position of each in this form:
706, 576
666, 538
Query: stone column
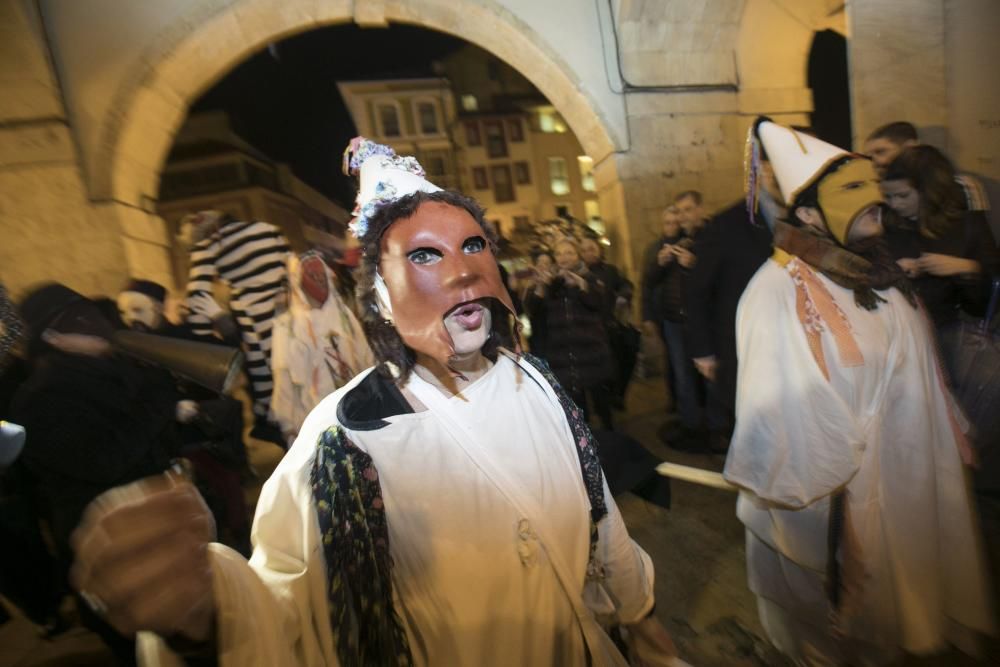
50, 231
897, 66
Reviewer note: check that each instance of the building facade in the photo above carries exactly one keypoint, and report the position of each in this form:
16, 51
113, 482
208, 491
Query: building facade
211, 167
659, 93
413, 116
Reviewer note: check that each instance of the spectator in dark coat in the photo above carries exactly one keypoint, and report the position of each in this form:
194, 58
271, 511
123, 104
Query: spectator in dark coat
571, 302
543, 264
729, 249
622, 336
668, 259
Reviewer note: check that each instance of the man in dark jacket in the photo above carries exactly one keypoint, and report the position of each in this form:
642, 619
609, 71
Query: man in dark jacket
667, 259
730, 250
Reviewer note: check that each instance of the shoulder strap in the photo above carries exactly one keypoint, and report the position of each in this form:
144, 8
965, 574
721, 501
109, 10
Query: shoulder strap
586, 448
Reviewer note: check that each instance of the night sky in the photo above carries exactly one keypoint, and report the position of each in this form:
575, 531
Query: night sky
284, 100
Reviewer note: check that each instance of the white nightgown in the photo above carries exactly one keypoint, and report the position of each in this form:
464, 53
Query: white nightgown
883, 430
474, 528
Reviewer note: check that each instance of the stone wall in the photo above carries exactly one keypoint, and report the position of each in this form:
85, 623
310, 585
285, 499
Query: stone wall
659, 93
48, 228
699, 75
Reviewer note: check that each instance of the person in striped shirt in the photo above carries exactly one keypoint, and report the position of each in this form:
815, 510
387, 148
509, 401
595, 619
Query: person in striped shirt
249, 258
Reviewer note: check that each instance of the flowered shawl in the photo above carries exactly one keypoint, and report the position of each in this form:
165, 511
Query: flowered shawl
366, 628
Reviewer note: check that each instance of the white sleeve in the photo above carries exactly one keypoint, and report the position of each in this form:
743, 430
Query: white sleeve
250, 620
628, 569
796, 440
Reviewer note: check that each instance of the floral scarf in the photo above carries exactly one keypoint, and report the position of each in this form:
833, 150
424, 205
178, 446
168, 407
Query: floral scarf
863, 267
366, 628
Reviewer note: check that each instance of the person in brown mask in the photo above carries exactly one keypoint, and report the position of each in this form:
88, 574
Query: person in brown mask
317, 344
446, 507
862, 544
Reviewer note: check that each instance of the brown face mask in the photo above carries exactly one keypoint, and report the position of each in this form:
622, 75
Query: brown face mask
431, 262
312, 278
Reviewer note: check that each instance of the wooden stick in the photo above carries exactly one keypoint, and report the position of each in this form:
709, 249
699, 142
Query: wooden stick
696, 475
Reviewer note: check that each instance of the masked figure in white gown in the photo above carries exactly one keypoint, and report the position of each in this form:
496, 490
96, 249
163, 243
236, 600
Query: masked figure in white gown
317, 345
862, 541
444, 508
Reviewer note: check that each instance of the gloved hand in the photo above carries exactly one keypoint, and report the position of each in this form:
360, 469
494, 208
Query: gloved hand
142, 558
186, 411
205, 305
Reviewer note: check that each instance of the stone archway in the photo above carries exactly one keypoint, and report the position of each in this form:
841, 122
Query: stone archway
152, 103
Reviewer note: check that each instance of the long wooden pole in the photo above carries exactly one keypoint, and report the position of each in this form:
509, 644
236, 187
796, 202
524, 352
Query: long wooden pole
696, 475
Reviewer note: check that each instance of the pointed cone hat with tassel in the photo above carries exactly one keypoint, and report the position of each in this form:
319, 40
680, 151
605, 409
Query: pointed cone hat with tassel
847, 183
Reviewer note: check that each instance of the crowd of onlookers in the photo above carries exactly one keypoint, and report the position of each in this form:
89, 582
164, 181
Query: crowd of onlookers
97, 420
936, 228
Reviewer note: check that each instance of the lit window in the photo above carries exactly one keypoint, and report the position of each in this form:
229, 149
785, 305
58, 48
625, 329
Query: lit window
470, 103
558, 176
479, 178
550, 121
503, 186
389, 118
428, 118
522, 174
593, 212
496, 143
586, 164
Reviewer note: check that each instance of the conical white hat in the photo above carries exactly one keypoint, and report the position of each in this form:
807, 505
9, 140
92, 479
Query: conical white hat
798, 159
384, 177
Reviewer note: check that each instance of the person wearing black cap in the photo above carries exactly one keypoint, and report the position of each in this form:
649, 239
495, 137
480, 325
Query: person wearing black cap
141, 306
93, 420
209, 426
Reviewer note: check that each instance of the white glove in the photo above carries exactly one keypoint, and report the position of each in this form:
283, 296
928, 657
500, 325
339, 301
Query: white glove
204, 305
186, 411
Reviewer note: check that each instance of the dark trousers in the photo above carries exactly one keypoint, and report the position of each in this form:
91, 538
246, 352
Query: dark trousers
600, 398
685, 377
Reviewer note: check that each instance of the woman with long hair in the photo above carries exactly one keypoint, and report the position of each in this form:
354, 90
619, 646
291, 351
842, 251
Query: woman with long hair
948, 251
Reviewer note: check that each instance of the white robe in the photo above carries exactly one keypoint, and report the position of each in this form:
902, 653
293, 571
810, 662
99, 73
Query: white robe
473, 580
886, 431
314, 351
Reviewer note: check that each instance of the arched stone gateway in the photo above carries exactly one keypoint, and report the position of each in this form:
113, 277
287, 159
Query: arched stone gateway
197, 50
658, 92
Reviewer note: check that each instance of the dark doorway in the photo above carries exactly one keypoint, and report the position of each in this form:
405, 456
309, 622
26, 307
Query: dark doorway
828, 78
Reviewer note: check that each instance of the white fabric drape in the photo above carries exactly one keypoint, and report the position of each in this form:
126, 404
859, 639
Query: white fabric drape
314, 351
472, 580
885, 432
